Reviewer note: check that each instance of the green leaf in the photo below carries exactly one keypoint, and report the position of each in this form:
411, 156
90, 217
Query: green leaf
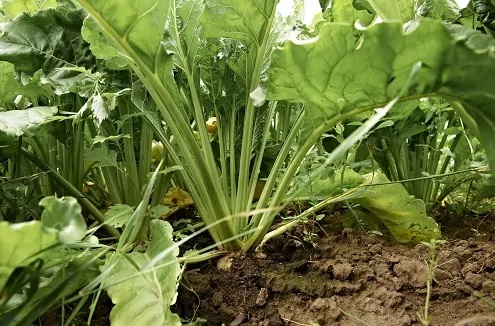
397, 10
17, 122
23, 243
65, 215
324, 188
186, 26
102, 157
486, 12
333, 71
241, 20
100, 46
12, 8
144, 298
118, 215
49, 40
344, 11
446, 10
137, 27
10, 88
404, 217
98, 139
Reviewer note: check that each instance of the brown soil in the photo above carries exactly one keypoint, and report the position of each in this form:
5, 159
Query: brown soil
348, 278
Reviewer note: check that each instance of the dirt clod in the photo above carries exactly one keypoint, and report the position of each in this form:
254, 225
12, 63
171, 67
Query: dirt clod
347, 277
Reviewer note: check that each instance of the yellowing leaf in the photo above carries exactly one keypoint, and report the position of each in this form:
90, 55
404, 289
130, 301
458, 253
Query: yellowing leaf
177, 197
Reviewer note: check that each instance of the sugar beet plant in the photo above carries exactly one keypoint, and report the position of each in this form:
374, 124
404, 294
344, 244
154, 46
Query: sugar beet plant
221, 58
188, 61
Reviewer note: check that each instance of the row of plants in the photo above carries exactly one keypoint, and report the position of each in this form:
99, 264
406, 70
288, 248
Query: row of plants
117, 112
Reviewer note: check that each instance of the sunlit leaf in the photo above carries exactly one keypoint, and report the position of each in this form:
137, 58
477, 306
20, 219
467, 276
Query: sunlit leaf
14, 7
334, 74
17, 122
20, 243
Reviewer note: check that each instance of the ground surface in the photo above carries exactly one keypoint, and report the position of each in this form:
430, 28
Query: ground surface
350, 278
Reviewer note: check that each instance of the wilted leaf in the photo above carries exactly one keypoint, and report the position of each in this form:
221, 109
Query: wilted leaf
404, 216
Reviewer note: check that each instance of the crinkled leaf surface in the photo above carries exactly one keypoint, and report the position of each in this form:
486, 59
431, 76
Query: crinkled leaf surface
144, 299
17, 122
21, 241
404, 216
49, 40
341, 69
65, 215
14, 7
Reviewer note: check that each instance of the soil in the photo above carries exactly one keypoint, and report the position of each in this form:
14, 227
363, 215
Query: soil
346, 277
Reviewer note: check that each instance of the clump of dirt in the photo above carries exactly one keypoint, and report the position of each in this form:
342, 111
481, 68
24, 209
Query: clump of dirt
347, 278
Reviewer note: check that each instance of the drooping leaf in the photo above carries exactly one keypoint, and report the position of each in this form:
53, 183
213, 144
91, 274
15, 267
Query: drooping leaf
404, 216
341, 70
14, 7
20, 243
17, 122
65, 215
157, 287
49, 40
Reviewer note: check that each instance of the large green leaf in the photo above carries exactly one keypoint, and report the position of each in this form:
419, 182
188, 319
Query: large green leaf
185, 29
343, 69
136, 27
404, 216
17, 122
144, 298
14, 7
242, 20
20, 242
65, 215
49, 40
